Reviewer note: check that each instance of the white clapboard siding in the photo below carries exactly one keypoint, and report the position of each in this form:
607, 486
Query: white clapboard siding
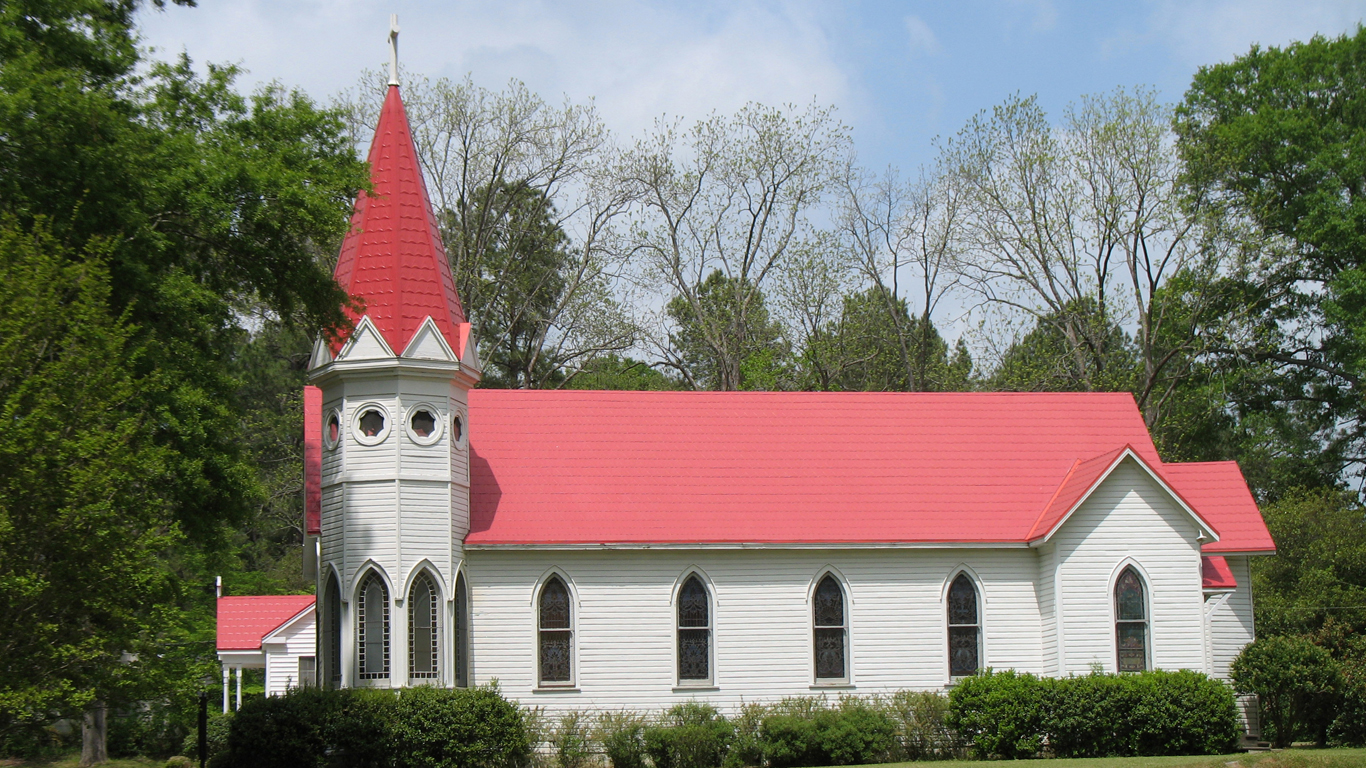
1048, 613
762, 639
370, 532
1130, 518
426, 527
283, 652
1231, 621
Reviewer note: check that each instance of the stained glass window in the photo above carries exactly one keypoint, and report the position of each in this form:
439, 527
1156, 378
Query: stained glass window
423, 423
1131, 622
372, 639
964, 628
423, 642
332, 632
830, 630
694, 631
556, 638
371, 423
462, 632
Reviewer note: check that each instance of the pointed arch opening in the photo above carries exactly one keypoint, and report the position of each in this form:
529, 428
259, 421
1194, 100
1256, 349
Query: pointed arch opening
694, 632
330, 639
424, 635
1131, 621
462, 631
555, 634
830, 631
965, 627
372, 628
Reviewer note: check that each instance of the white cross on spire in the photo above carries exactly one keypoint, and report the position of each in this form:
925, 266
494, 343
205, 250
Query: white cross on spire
393, 49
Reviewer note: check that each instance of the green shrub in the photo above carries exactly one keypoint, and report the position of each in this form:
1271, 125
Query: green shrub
1151, 713
180, 761
747, 745
999, 714
856, 734
1296, 682
455, 728
622, 736
216, 731
922, 730
572, 741
790, 741
286, 731
689, 735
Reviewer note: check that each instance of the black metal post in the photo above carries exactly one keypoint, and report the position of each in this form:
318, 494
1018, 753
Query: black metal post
203, 728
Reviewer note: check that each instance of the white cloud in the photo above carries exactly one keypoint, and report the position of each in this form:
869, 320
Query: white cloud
1198, 32
922, 38
636, 60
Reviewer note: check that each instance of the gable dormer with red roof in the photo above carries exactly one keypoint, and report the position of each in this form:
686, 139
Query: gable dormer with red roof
389, 488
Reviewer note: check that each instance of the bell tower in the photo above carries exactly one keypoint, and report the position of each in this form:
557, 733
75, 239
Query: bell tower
393, 475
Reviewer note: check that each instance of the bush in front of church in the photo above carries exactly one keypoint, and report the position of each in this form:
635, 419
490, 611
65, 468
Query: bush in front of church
350, 728
458, 727
1011, 715
690, 735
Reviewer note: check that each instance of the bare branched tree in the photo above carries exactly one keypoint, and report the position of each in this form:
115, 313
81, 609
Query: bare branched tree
1079, 227
730, 195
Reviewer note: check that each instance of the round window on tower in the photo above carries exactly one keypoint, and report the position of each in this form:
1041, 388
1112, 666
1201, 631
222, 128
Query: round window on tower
332, 429
424, 424
457, 429
371, 426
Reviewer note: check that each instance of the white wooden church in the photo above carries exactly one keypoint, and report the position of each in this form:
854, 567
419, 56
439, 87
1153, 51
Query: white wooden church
638, 549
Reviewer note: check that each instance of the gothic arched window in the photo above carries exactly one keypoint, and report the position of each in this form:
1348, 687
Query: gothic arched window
1131, 622
423, 636
331, 621
555, 632
965, 628
831, 634
694, 631
372, 636
462, 632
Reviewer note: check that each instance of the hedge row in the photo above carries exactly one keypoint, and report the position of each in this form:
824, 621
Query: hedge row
799, 731
414, 728
1013, 715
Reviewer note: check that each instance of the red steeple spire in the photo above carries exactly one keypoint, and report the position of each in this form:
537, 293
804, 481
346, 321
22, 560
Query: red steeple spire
392, 260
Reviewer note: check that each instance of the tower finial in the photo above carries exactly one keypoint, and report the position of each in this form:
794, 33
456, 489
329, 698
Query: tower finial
393, 49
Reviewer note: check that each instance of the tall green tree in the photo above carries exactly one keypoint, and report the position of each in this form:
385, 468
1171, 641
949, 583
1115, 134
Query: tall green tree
863, 351
731, 343
1044, 359
1273, 140
191, 204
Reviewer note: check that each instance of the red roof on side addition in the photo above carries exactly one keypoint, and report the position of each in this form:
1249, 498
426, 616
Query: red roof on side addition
1215, 574
1217, 489
392, 260
244, 620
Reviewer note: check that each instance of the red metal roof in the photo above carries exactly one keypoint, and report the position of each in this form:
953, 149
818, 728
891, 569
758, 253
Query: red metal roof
244, 620
313, 460
392, 260
574, 467
1218, 491
1215, 574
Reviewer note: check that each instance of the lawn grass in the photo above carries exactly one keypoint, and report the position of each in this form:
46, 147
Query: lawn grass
1290, 758
73, 760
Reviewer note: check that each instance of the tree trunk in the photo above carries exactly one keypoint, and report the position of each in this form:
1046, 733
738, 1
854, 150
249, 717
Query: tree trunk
94, 748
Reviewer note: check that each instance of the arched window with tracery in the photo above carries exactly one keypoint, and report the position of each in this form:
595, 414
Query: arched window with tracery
965, 628
331, 636
462, 632
1131, 622
424, 641
694, 632
556, 634
372, 635
831, 631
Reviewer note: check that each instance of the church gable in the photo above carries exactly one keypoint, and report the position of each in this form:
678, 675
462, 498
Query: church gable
428, 344
365, 343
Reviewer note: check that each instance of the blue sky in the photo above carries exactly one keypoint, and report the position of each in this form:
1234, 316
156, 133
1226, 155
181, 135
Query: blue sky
900, 73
